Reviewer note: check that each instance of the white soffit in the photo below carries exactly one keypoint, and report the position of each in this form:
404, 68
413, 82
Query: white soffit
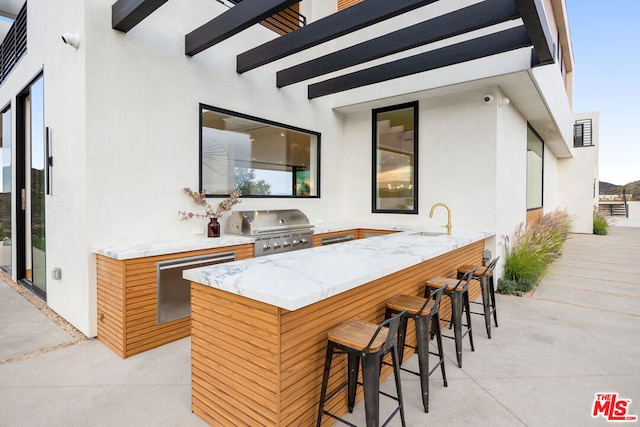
10, 8
4, 28
518, 86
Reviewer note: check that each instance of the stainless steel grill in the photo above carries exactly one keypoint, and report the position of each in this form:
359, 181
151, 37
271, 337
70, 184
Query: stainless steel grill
274, 231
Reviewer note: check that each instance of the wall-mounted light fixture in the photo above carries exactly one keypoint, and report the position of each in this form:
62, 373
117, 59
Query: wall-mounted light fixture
71, 39
48, 160
504, 101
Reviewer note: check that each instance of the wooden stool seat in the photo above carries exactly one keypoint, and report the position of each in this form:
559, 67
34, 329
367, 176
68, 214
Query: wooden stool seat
425, 312
458, 292
485, 275
357, 334
480, 270
364, 344
414, 305
439, 282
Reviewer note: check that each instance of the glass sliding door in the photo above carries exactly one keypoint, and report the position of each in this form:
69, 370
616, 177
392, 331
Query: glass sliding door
5, 190
29, 241
37, 184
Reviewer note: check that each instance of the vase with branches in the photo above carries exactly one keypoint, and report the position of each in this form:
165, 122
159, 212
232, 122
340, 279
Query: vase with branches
200, 199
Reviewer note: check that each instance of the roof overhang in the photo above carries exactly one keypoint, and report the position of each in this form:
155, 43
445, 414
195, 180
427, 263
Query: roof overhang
534, 32
529, 92
10, 8
467, 42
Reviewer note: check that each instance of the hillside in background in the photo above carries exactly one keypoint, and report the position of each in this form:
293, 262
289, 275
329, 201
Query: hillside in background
631, 188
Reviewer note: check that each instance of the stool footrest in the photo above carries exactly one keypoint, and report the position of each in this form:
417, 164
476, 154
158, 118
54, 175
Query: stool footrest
335, 417
365, 345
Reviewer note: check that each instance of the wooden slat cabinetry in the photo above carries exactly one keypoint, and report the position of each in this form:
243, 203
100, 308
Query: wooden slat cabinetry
358, 233
127, 297
534, 216
367, 232
256, 364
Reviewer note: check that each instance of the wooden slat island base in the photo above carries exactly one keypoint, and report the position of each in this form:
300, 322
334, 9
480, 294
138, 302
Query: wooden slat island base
255, 364
127, 301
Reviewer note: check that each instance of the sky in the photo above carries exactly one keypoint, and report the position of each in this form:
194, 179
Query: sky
605, 37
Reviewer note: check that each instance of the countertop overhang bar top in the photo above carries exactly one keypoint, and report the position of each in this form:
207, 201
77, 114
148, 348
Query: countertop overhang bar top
296, 279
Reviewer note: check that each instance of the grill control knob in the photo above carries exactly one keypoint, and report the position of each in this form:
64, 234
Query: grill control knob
266, 247
277, 245
295, 243
286, 244
304, 242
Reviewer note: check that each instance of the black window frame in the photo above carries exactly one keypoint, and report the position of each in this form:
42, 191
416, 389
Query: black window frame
374, 157
318, 136
529, 127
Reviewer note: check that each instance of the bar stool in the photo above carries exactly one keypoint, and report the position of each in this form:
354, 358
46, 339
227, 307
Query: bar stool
423, 311
458, 292
485, 276
366, 342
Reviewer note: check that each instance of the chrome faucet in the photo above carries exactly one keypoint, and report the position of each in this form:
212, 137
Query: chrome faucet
448, 226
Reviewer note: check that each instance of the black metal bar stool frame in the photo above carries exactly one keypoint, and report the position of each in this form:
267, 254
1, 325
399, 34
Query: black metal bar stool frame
371, 367
426, 324
487, 288
459, 297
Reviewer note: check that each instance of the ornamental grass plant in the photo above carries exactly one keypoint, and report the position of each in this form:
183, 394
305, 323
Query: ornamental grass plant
600, 224
530, 250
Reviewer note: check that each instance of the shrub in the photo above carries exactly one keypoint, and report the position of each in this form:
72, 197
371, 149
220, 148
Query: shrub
600, 224
513, 287
530, 250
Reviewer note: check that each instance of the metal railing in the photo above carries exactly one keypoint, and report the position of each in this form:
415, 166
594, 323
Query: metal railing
14, 44
582, 136
283, 22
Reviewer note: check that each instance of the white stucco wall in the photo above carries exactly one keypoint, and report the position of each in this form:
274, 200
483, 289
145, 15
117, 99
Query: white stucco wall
559, 138
550, 196
124, 112
511, 176
472, 156
578, 179
143, 99
64, 104
456, 163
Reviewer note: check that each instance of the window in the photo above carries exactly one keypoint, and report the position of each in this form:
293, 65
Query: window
395, 150
258, 157
582, 133
5, 190
535, 156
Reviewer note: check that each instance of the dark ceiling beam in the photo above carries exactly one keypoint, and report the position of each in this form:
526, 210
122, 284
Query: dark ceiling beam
353, 18
477, 48
532, 13
238, 18
480, 15
126, 14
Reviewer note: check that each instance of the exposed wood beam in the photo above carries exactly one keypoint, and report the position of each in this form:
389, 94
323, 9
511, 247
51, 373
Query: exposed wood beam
532, 13
480, 47
126, 14
238, 18
470, 18
360, 15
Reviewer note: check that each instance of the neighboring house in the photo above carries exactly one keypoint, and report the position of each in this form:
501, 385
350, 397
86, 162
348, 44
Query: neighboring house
102, 128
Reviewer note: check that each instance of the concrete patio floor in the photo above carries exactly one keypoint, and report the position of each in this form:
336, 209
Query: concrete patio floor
578, 335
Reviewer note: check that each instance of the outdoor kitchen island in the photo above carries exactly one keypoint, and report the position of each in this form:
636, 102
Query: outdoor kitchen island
259, 326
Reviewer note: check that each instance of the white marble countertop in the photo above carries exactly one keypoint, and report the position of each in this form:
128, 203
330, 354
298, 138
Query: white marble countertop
140, 250
174, 246
333, 227
293, 280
